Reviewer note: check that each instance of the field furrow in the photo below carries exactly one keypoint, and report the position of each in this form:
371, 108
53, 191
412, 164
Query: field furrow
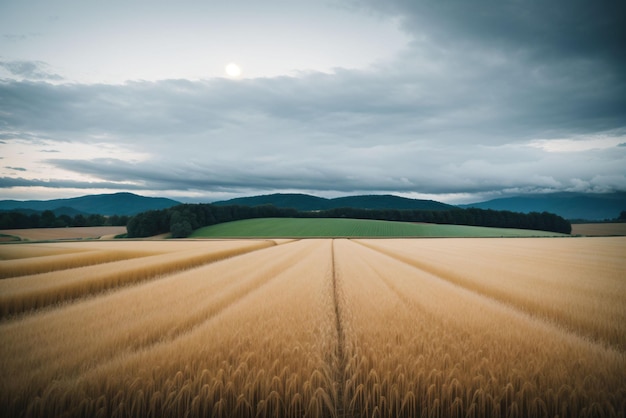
265, 354
424, 346
339, 360
570, 283
33, 292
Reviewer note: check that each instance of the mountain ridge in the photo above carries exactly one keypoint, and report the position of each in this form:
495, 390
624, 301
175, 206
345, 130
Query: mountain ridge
573, 206
569, 205
122, 203
305, 202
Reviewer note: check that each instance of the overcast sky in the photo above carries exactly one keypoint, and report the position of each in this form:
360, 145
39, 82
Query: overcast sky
453, 100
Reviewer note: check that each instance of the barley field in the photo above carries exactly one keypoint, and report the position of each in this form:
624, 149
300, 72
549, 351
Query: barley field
457, 327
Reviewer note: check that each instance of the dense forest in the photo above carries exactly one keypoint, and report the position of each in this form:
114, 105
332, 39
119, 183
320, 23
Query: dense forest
181, 220
48, 219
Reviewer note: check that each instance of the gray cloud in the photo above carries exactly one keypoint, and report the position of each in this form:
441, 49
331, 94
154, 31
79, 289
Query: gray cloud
549, 61
476, 170
352, 131
544, 30
16, 168
9, 182
483, 102
31, 70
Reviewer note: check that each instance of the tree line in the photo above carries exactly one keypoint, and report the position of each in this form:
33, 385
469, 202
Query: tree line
181, 220
48, 219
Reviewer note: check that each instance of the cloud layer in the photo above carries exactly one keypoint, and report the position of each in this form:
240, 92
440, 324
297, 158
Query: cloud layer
30, 70
513, 98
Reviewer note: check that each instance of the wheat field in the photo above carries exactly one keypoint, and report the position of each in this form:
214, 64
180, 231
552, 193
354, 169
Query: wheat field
529, 327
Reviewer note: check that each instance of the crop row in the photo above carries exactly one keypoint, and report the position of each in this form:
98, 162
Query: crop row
578, 287
25, 293
71, 259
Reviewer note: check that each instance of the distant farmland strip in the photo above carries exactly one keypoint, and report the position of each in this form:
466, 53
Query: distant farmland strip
32, 292
600, 229
342, 227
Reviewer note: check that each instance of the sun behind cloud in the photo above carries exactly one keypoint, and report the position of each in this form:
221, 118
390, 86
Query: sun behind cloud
233, 70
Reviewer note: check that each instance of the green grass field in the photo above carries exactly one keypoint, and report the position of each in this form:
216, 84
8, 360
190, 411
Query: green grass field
340, 227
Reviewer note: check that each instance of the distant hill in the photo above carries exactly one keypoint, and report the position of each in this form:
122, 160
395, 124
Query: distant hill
66, 210
305, 202
102, 204
296, 201
388, 202
568, 205
345, 227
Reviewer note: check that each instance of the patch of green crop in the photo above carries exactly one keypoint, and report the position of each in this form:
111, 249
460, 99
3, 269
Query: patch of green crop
342, 227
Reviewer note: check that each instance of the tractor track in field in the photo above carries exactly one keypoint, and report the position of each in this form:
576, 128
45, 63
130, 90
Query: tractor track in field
342, 409
340, 380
